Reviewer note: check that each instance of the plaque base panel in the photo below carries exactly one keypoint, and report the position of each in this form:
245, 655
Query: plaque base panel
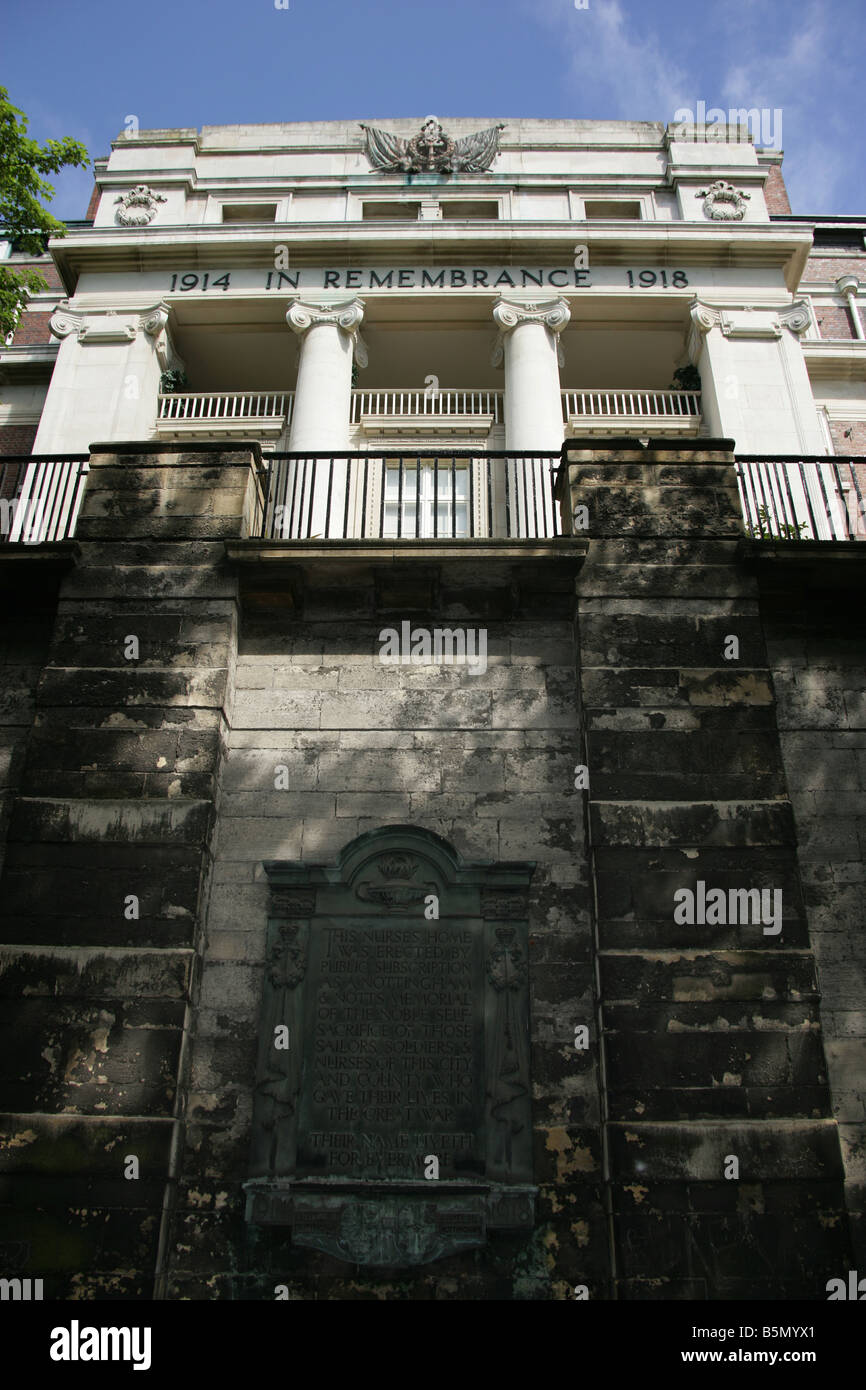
397, 1224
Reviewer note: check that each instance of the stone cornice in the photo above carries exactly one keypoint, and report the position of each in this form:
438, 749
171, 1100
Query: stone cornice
376, 551
828, 359
710, 172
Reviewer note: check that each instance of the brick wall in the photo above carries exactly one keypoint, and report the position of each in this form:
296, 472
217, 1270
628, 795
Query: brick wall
775, 192
824, 264
849, 437
32, 328
17, 439
43, 265
834, 321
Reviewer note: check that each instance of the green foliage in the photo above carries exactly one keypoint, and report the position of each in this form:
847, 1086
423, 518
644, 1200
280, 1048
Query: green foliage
686, 379
23, 219
172, 381
770, 528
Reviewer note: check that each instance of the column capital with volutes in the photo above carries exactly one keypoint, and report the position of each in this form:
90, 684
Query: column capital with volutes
508, 314
348, 315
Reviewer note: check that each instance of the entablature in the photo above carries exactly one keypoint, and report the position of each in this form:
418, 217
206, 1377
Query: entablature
747, 245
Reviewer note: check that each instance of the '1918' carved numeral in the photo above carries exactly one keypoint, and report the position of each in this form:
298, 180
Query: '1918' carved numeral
648, 278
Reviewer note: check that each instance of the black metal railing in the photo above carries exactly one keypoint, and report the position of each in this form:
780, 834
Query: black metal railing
410, 495
40, 496
456, 495
819, 497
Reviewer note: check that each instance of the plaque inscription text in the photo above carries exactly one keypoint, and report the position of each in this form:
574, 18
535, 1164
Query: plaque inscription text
394, 1041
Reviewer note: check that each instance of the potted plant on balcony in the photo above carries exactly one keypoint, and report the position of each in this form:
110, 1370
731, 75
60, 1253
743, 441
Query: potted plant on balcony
172, 381
686, 379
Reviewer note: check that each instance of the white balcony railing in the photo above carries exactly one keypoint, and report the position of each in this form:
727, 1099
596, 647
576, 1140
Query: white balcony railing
427, 402
451, 413
267, 415
223, 415
40, 496
663, 411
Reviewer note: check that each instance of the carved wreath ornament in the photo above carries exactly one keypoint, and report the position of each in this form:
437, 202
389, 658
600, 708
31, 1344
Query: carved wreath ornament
723, 202
138, 207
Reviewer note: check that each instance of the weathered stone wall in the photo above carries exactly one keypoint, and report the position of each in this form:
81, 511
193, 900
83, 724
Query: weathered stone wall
486, 761
712, 1037
816, 643
25, 633
155, 777
116, 800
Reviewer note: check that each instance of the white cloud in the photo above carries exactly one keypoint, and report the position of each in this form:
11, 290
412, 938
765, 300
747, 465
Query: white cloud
627, 62
796, 82
619, 65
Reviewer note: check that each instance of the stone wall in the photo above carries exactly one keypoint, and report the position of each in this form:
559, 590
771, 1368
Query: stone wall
108, 846
816, 643
150, 776
712, 1036
29, 603
487, 762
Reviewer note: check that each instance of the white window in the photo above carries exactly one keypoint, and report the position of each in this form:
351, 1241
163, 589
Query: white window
422, 490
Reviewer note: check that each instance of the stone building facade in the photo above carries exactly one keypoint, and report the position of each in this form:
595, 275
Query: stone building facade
535, 973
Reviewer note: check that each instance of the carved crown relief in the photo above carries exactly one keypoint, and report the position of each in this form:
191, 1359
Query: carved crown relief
138, 207
723, 202
431, 150
399, 887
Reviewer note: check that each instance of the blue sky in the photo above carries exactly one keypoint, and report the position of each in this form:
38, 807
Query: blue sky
80, 69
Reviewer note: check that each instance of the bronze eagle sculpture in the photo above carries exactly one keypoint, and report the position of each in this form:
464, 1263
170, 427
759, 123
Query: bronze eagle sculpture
431, 150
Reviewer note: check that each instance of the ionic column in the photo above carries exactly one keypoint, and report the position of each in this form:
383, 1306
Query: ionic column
529, 341
323, 396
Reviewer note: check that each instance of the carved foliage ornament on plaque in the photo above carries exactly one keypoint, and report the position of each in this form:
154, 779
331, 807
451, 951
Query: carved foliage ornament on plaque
395, 1126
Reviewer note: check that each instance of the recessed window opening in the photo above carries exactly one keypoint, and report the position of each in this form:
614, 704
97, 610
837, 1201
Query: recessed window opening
249, 212
462, 210
391, 212
608, 209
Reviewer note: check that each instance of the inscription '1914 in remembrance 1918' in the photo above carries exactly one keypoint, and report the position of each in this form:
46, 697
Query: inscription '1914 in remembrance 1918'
393, 1047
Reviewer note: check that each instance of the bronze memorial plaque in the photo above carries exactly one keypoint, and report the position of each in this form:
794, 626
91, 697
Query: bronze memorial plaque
394, 1045
392, 1123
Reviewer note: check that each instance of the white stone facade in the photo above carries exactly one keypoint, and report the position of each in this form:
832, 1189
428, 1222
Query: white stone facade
622, 251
